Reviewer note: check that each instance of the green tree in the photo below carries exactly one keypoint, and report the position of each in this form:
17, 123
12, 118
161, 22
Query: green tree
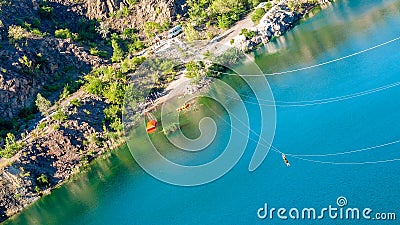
115, 93
248, 34
257, 15
194, 70
152, 28
63, 33
65, 93
294, 5
59, 115
46, 12
11, 147
118, 53
43, 180
42, 104
94, 85
17, 33
190, 32
28, 64
197, 10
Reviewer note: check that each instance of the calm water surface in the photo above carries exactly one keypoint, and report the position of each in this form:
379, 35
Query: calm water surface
116, 191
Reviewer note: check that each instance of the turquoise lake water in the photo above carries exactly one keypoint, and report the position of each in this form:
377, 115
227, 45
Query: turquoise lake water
117, 191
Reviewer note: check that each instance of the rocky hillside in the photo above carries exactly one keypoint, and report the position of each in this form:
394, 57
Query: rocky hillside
47, 45
53, 152
33, 60
119, 14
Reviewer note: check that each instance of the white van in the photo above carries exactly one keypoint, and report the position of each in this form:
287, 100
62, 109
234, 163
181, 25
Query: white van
175, 31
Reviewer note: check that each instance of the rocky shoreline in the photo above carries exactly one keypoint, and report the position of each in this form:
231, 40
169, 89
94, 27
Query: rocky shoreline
54, 152
276, 22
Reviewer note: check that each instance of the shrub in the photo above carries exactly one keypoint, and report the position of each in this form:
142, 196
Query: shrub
97, 52
94, 140
268, 6
134, 43
135, 46
227, 11
115, 93
152, 28
132, 2
257, 15
94, 85
210, 35
75, 102
43, 180
37, 32
65, 93
41, 126
117, 125
86, 30
59, 115
133, 96
254, 3
125, 11
248, 34
11, 147
42, 104
64, 34
129, 65
191, 33
166, 25
27, 64
112, 112
294, 5
36, 23
118, 53
129, 33
194, 69
17, 33
224, 22
46, 12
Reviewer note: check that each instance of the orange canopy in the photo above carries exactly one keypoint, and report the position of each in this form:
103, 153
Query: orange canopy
151, 126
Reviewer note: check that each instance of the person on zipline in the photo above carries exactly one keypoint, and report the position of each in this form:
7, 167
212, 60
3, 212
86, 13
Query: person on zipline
285, 160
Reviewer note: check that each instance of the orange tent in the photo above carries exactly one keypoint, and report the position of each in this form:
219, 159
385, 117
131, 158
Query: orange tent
151, 126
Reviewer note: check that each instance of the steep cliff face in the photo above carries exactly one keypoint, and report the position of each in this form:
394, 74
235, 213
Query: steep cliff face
52, 59
55, 152
32, 60
140, 11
